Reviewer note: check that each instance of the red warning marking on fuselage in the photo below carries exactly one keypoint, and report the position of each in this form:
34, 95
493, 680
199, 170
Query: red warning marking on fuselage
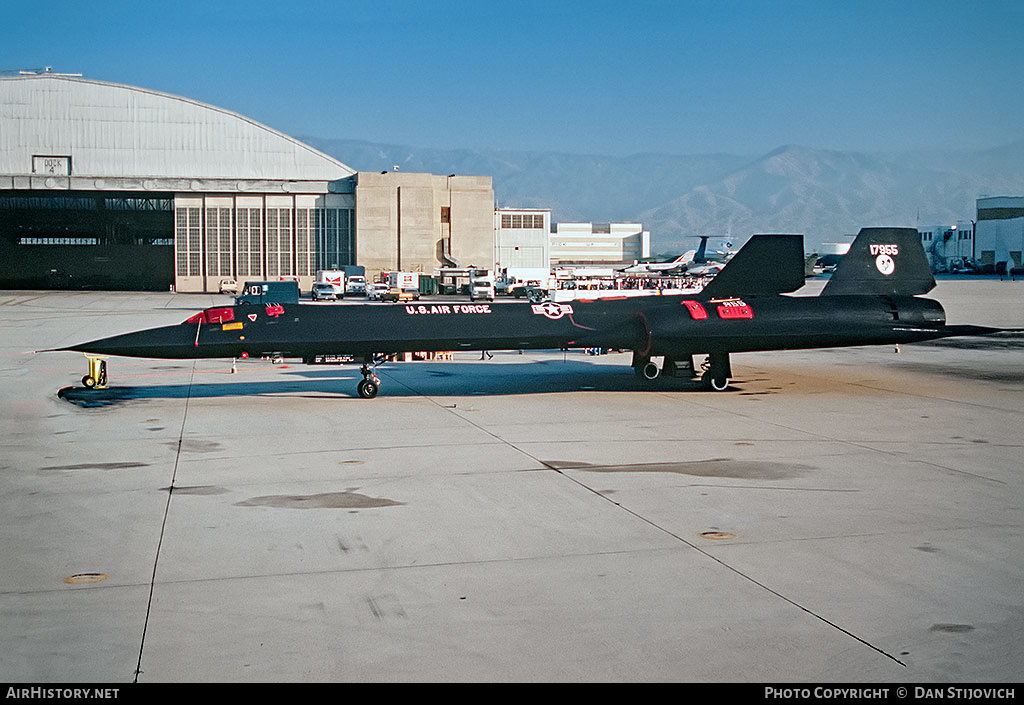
697, 311
734, 309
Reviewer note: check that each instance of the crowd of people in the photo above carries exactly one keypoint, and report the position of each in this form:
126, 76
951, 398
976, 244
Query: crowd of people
653, 283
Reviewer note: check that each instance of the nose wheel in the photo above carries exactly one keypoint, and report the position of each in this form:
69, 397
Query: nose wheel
370, 384
97, 376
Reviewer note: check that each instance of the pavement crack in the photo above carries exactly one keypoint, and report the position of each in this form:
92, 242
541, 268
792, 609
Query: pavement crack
677, 537
163, 525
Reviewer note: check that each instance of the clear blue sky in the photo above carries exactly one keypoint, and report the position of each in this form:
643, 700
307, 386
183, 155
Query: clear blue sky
595, 77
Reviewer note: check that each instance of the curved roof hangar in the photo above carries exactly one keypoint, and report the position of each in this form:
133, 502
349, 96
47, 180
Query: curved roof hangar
109, 130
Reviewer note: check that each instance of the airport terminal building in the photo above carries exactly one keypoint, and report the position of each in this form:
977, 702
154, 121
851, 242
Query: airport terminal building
111, 186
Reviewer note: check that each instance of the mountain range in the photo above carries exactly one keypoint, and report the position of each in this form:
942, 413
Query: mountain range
826, 195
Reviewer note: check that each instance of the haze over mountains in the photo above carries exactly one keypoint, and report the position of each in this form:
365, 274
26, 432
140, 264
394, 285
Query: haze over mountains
823, 194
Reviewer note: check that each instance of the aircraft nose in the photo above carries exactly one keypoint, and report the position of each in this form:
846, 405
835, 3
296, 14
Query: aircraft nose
169, 341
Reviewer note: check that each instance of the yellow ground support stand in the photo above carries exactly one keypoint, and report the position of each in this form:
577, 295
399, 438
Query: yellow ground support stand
97, 377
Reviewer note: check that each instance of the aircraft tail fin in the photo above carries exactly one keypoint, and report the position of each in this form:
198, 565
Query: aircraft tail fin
699, 255
766, 264
883, 261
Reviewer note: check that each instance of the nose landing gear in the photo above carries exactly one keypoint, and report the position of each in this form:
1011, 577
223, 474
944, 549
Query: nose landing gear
370, 384
97, 377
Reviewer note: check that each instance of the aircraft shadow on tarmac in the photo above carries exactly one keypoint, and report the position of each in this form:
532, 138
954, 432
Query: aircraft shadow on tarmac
400, 380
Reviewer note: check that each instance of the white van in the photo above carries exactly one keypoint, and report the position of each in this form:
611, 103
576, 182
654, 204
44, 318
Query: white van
356, 285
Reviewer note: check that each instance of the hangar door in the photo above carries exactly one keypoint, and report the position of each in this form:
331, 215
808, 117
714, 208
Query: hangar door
86, 240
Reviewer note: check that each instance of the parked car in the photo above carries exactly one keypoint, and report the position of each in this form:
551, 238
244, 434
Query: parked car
229, 286
396, 294
376, 291
523, 288
323, 291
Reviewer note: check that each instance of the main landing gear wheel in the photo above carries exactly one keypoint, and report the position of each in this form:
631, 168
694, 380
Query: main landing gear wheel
369, 385
717, 371
714, 382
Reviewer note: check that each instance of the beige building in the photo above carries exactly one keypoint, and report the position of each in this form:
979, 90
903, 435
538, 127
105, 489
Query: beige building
599, 243
416, 222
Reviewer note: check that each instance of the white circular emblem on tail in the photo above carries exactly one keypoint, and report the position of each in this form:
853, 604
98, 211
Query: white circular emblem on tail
885, 264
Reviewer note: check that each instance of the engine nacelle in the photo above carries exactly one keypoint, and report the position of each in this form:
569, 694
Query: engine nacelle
784, 323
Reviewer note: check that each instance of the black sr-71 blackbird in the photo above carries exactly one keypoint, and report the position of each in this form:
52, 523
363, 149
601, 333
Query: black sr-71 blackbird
873, 298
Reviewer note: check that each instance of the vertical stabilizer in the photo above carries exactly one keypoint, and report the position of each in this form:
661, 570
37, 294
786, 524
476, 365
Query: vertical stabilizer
885, 262
701, 256
767, 264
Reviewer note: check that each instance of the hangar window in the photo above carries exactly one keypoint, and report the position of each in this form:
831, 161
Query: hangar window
279, 240
137, 204
225, 242
83, 203
248, 242
186, 235
305, 242
218, 241
58, 241
335, 237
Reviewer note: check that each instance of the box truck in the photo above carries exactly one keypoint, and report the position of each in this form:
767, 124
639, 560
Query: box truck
334, 277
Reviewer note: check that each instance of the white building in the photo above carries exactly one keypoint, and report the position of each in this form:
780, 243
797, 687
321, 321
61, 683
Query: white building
599, 243
947, 246
521, 241
999, 231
